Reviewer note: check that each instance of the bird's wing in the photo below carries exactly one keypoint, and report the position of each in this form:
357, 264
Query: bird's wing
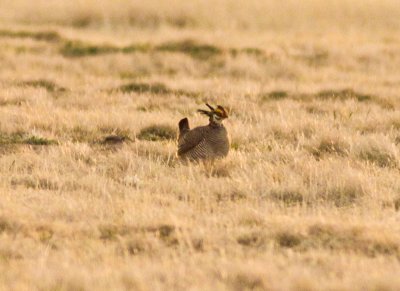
190, 140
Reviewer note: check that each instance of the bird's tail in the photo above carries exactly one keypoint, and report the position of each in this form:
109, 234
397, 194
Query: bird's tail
183, 126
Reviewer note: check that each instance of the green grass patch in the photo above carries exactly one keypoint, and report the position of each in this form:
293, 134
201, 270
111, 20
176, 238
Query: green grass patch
157, 133
155, 88
328, 94
114, 139
13, 138
318, 58
12, 102
252, 51
343, 95
79, 49
100, 135
50, 36
252, 239
32, 182
35, 140
274, 95
349, 239
396, 203
7, 225
248, 51
80, 134
115, 136
23, 138
334, 238
288, 196
43, 83
377, 154
330, 145
145, 47
191, 48
343, 194
288, 239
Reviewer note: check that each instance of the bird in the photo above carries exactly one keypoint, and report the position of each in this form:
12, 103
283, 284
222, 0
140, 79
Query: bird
209, 142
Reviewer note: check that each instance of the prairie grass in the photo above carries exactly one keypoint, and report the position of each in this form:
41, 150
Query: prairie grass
93, 196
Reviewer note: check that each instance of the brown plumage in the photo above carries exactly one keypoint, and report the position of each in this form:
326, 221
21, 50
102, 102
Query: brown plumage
204, 142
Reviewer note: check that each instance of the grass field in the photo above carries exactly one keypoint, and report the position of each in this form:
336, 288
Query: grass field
308, 198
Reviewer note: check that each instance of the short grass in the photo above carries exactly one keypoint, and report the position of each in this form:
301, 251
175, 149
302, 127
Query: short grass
93, 196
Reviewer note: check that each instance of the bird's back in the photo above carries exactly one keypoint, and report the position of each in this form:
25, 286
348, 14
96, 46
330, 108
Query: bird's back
204, 142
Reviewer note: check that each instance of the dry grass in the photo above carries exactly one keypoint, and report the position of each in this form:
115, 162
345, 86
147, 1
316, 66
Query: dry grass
92, 196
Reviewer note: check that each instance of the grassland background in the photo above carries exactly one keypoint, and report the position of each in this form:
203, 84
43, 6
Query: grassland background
308, 198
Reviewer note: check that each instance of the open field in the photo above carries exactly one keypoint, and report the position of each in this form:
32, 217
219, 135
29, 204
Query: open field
308, 199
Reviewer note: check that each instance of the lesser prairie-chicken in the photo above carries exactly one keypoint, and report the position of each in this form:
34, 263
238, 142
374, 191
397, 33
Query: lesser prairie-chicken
207, 142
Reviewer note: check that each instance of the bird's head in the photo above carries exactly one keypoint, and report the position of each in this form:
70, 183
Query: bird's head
216, 114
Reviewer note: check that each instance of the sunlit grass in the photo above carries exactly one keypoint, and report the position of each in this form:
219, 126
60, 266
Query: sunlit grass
93, 195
